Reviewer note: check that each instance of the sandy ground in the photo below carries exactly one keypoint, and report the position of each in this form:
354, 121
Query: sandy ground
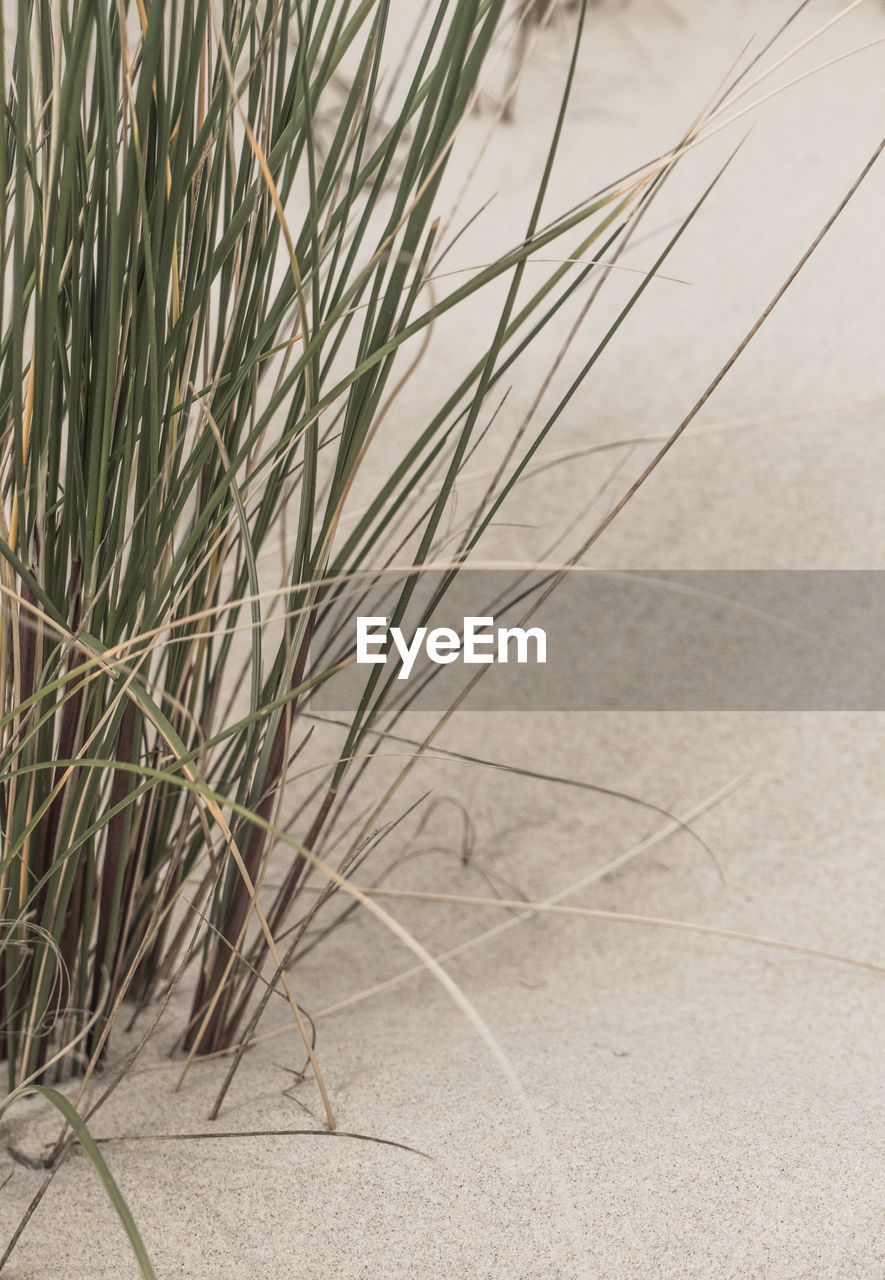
687, 1106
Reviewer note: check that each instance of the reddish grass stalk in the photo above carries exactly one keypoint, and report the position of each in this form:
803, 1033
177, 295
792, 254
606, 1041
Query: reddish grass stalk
219, 976
111, 923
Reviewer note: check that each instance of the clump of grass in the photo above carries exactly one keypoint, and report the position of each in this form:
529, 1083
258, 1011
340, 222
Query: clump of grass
214, 253
216, 264
207, 289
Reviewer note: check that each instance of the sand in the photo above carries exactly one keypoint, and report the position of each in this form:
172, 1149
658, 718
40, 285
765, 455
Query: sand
687, 1106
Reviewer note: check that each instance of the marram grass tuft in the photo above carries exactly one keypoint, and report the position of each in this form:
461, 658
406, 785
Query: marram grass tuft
219, 228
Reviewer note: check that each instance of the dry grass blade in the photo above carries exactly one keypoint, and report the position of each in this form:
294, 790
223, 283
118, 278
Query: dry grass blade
213, 1135
654, 922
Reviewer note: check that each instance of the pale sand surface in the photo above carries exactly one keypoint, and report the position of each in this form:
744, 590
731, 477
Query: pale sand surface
701, 1108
